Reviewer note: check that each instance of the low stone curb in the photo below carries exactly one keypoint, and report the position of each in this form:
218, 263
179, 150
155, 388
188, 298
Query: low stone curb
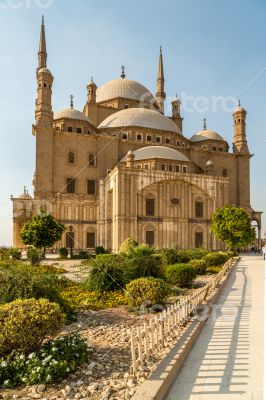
162, 378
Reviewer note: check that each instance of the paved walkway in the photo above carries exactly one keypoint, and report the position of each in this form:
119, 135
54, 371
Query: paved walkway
226, 362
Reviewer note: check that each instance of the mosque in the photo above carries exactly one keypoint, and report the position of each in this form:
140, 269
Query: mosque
122, 168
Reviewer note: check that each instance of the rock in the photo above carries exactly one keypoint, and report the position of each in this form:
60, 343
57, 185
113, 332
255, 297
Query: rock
131, 383
40, 388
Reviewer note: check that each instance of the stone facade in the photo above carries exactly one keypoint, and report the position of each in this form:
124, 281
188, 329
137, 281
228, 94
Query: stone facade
121, 168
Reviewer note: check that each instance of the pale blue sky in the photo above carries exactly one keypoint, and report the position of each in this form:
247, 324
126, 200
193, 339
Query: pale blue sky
211, 48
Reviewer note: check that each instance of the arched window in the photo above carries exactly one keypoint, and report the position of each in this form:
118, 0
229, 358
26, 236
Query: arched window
139, 136
70, 129
124, 136
150, 207
90, 240
225, 172
198, 239
149, 138
150, 238
71, 157
92, 161
199, 209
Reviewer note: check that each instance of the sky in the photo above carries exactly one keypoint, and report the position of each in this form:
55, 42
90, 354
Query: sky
214, 53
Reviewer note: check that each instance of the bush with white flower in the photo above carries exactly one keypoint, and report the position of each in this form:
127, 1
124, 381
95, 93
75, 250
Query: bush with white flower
49, 364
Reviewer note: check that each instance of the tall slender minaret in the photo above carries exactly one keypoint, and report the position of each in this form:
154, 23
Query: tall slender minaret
240, 139
160, 94
242, 166
43, 128
43, 109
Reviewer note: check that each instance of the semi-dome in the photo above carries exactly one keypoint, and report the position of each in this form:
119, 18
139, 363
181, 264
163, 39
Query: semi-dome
149, 152
206, 135
124, 88
141, 117
72, 113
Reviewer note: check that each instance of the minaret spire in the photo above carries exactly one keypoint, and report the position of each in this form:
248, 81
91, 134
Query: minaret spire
160, 94
42, 54
43, 105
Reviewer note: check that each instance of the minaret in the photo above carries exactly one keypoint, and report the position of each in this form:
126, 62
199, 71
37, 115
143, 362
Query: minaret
42, 55
176, 116
160, 94
240, 140
242, 159
43, 128
43, 109
91, 91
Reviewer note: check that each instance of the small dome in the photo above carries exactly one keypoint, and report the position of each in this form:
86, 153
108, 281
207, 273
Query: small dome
25, 196
206, 135
71, 113
240, 109
124, 88
209, 163
45, 70
149, 152
141, 117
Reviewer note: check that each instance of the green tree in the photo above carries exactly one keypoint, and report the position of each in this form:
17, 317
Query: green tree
232, 225
42, 231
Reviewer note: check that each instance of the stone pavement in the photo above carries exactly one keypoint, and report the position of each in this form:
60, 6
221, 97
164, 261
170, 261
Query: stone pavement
226, 362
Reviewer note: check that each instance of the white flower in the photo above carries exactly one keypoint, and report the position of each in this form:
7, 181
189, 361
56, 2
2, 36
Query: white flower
6, 382
3, 364
31, 355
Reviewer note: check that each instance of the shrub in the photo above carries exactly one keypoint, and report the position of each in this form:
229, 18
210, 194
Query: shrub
153, 289
216, 259
82, 255
128, 245
107, 273
213, 270
15, 253
26, 323
143, 267
173, 256
55, 360
4, 253
63, 252
142, 251
232, 253
79, 298
181, 275
100, 250
197, 254
19, 280
200, 266
34, 256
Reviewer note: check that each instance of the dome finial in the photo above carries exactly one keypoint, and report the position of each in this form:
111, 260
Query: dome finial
123, 72
204, 124
91, 78
42, 19
71, 100
25, 190
239, 104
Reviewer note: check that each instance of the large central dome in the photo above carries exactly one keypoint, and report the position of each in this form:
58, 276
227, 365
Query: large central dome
123, 88
141, 117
